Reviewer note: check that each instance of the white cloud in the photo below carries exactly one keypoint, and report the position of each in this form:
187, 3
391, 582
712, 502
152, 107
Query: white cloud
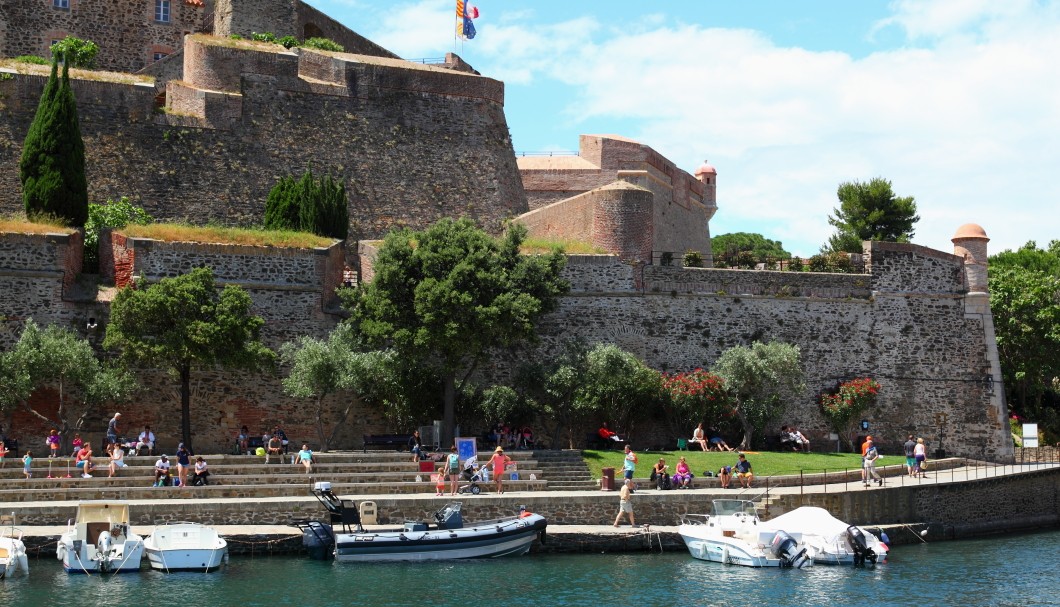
965, 124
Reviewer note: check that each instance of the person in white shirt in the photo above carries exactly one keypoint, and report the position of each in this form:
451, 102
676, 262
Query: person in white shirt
161, 471
147, 439
117, 459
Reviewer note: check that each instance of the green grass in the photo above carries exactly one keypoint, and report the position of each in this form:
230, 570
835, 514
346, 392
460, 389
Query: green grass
174, 232
763, 463
534, 245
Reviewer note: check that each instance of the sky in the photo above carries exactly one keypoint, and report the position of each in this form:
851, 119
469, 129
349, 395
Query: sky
955, 102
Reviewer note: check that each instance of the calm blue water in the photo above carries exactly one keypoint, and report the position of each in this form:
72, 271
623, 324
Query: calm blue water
1020, 570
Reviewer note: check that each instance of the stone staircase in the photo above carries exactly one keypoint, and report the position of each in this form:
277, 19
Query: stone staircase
565, 470
241, 476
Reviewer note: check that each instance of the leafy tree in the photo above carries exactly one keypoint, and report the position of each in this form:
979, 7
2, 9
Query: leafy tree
113, 214
549, 384
308, 205
870, 211
181, 322
755, 248
52, 166
837, 262
618, 385
758, 379
694, 396
76, 52
846, 403
447, 296
55, 356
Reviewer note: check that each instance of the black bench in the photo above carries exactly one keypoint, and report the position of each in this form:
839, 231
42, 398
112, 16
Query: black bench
398, 441
595, 441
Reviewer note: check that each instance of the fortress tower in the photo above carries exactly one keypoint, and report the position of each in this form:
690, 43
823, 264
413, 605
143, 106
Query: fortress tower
970, 243
708, 176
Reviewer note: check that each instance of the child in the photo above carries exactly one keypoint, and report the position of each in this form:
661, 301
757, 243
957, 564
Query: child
439, 483
27, 464
53, 443
77, 442
3, 453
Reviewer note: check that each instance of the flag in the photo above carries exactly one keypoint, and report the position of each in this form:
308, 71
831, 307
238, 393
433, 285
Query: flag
464, 14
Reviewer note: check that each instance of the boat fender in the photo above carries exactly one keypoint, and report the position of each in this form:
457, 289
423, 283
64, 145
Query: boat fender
23, 564
725, 555
541, 535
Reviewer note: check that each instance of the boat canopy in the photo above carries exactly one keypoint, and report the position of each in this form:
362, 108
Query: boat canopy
730, 507
103, 512
808, 520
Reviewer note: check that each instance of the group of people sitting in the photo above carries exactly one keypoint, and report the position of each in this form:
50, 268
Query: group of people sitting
791, 438
505, 435
714, 443
200, 470
681, 478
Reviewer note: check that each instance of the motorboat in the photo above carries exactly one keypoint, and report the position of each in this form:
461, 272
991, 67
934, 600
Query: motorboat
185, 547
13, 561
446, 537
733, 534
830, 540
100, 540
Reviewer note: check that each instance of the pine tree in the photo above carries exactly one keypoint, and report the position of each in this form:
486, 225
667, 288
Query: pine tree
52, 167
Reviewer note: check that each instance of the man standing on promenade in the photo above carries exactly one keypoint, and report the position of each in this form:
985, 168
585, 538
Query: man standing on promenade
910, 455
864, 469
869, 466
625, 504
629, 464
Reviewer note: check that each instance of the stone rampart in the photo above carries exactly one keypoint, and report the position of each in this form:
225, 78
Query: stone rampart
37, 272
413, 143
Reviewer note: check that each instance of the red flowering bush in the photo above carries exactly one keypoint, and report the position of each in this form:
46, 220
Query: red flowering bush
694, 396
847, 402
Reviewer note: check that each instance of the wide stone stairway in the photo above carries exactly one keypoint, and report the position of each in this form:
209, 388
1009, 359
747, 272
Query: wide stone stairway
242, 476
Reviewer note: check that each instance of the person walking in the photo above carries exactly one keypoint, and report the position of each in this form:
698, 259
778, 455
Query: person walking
864, 468
920, 457
629, 463
499, 461
183, 464
909, 447
869, 465
625, 504
112, 432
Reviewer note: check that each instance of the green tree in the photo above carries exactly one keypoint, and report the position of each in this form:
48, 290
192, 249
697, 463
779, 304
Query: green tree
844, 405
178, 323
447, 296
618, 385
728, 247
52, 166
870, 211
113, 214
759, 378
549, 385
694, 396
76, 52
308, 205
58, 357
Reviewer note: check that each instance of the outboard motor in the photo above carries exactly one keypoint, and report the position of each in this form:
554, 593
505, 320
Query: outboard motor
318, 539
787, 550
104, 545
860, 547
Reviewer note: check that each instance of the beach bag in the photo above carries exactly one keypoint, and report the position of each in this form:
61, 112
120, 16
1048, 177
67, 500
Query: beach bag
514, 476
260, 451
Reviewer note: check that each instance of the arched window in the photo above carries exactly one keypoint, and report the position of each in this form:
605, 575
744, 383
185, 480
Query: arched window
311, 31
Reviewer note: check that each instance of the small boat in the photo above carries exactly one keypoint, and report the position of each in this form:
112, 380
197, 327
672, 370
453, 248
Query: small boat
733, 534
100, 540
13, 559
830, 540
185, 547
446, 537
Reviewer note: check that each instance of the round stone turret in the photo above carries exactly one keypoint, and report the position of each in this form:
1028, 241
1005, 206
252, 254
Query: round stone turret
970, 243
708, 176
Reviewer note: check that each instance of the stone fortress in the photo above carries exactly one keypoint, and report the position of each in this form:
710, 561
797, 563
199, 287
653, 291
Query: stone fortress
215, 122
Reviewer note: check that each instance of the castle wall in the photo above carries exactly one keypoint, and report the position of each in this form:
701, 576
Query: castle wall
413, 143
127, 33
37, 272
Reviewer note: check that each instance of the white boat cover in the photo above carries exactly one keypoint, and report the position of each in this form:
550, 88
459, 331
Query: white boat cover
808, 520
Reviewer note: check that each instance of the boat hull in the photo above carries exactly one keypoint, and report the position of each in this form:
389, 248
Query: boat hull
126, 561
501, 538
13, 560
204, 559
729, 553
185, 547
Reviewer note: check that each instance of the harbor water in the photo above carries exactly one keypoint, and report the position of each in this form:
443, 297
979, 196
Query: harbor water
1002, 571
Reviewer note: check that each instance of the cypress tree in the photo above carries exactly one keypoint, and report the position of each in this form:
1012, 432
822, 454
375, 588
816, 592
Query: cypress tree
281, 206
52, 167
308, 205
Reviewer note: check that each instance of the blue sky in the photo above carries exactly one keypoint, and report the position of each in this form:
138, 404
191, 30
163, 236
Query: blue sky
957, 102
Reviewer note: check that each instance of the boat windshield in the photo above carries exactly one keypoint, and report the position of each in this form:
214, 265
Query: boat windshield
730, 507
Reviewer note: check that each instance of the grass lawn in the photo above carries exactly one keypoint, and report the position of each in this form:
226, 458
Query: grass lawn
764, 463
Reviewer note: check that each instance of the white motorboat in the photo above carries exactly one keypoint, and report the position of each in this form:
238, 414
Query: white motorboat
100, 540
733, 534
185, 547
13, 559
830, 540
447, 537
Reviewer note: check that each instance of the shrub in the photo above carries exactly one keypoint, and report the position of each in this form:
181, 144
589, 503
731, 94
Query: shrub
693, 259
31, 59
263, 37
76, 52
795, 265
308, 205
288, 41
323, 44
847, 402
113, 214
235, 37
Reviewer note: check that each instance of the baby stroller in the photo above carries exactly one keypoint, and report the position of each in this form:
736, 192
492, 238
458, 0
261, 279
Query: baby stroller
473, 475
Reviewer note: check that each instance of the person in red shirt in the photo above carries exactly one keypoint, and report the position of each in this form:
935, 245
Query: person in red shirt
606, 434
83, 460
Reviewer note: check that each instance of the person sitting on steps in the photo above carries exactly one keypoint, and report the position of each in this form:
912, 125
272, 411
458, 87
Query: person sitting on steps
274, 447
162, 472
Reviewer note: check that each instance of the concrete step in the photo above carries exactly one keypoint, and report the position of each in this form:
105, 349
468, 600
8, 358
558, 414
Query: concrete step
248, 468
